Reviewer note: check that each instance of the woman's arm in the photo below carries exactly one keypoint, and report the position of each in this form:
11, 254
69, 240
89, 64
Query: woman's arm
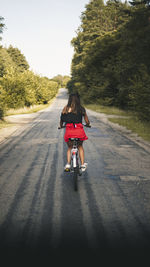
61, 123
86, 119
61, 118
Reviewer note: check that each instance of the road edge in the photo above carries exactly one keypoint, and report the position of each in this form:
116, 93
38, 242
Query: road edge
123, 130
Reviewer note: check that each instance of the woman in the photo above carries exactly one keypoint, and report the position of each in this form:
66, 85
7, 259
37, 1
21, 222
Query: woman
72, 115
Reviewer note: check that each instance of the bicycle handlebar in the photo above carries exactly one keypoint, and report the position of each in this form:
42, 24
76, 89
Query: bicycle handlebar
85, 125
61, 127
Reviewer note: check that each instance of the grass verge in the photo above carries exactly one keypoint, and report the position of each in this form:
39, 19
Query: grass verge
107, 110
135, 125
128, 120
26, 110
4, 124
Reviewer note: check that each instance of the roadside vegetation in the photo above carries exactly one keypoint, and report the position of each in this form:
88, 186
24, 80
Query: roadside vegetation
26, 110
107, 110
128, 119
21, 90
111, 63
141, 128
4, 124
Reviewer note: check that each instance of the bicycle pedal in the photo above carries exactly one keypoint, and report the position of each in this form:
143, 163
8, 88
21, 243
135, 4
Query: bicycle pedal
67, 170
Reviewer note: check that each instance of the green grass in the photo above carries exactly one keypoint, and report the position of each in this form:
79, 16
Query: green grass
26, 110
128, 119
107, 110
4, 124
135, 125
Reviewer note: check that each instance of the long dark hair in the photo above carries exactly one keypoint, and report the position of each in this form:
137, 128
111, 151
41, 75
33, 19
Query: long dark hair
74, 103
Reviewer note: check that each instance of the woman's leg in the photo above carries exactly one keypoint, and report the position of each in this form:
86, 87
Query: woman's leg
69, 155
81, 153
69, 152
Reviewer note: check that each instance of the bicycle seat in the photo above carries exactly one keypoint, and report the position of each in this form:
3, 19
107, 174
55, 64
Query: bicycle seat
74, 139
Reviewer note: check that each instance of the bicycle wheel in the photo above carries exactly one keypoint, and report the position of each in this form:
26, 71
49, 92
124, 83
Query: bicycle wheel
75, 179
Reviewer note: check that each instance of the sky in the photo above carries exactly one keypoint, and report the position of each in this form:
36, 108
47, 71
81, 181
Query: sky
42, 30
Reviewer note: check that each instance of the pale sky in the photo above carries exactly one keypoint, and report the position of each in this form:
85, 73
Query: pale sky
42, 30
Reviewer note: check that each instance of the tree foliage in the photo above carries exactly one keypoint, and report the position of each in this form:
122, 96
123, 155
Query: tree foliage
2, 25
6, 62
19, 86
18, 58
61, 80
111, 63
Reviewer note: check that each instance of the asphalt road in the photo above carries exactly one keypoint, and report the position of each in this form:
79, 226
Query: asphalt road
39, 209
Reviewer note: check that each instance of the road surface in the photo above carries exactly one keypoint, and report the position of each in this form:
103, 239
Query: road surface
39, 209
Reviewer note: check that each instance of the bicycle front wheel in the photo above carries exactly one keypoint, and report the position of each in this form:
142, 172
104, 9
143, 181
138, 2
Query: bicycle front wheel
75, 179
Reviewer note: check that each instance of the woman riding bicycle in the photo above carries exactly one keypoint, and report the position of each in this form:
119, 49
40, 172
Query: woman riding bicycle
72, 115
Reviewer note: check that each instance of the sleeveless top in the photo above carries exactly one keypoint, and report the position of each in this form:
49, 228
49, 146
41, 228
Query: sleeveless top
71, 117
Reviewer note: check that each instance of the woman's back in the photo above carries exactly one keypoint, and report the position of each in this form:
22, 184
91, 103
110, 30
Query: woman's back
69, 116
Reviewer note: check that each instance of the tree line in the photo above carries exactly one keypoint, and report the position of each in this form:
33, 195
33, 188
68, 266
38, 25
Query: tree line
111, 62
19, 86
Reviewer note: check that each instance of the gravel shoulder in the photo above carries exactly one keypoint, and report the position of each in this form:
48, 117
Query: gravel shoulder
18, 123
123, 130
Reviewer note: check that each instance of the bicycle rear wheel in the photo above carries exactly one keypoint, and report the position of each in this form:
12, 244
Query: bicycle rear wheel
75, 179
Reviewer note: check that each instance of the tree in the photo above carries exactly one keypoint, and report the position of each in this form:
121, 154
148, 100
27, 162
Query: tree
6, 62
18, 58
2, 25
2, 102
111, 63
140, 93
61, 80
66, 79
95, 47
20, 87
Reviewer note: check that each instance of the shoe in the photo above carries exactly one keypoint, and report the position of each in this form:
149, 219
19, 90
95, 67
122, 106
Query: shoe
67, 167
83, 167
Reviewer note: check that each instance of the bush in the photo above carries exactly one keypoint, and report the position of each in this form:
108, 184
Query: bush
2, 105
140, 93
26, 89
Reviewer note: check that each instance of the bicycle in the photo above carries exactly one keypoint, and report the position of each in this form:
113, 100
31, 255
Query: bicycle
75, 168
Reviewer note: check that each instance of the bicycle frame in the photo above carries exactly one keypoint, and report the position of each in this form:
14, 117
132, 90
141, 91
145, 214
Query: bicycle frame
74, 153
74, 162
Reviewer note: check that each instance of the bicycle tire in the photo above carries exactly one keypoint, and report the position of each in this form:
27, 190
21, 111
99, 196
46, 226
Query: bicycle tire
75, 179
